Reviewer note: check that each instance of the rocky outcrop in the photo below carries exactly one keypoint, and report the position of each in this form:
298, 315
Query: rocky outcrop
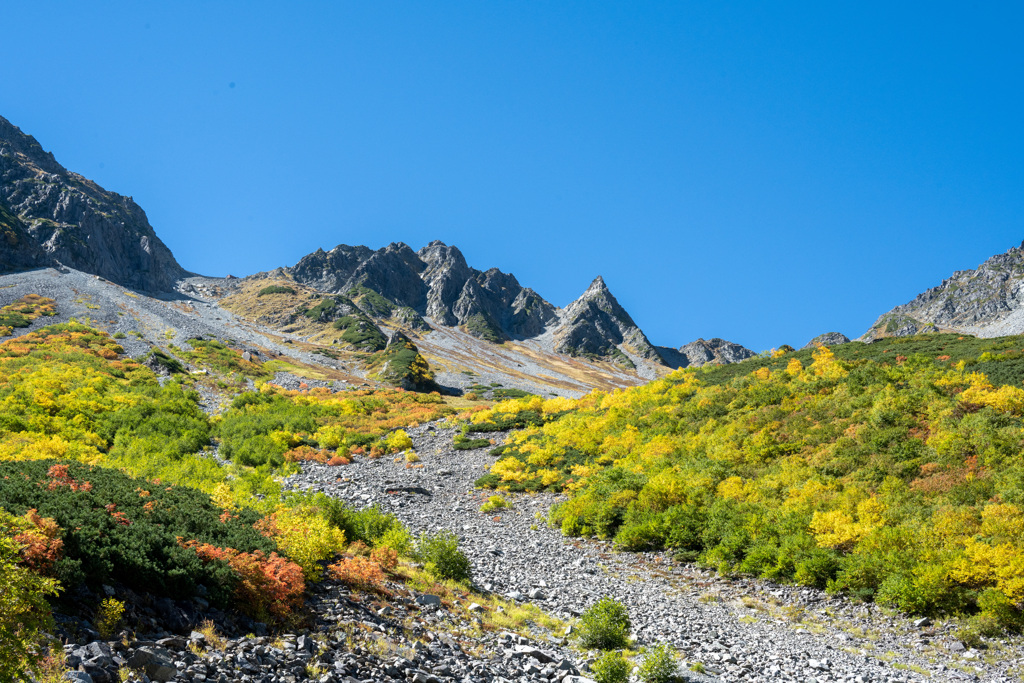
595, 324
401, 364
987, 301
827, 339
75, 222
711, 352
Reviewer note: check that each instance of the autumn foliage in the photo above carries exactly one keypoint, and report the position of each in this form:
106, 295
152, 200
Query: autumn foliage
891, 477
268, 585
358, 572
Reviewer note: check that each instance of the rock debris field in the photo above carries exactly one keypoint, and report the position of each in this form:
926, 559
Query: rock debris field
738, 629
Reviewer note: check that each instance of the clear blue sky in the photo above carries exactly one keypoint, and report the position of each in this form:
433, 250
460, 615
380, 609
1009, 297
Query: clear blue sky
761, 172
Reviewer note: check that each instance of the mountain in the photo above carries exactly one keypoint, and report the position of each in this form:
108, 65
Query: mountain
436, 283
702, 352
985, 302
49, 215
596, 325
827, 339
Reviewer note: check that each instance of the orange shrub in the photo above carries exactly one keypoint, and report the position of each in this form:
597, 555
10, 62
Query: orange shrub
41, 544
386, 557
358, 572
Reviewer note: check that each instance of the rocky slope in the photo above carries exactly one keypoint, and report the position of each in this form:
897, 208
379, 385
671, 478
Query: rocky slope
827, 339
737, 629
73, 221
986, 302
595, 324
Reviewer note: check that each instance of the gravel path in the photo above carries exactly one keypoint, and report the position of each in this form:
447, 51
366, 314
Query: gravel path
739, 629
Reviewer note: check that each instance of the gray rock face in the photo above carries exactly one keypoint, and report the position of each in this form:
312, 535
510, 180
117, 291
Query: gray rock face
711, 351
436, 282
827, 339
18, 250
987, 301
77, 223
596, 323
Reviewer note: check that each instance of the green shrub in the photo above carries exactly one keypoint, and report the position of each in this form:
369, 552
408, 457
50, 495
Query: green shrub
359, 332
502, 394
611, 667
275, 289
604, 626
997, 607
442, 558
658, 665
123, 528
462, 443
160, 359
370, 525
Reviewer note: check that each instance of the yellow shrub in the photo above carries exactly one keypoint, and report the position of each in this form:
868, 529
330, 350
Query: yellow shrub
511, 469
330, 436
837, 529
794, 367
306, 539
557, 405
398, 441
549, 477
1003, 522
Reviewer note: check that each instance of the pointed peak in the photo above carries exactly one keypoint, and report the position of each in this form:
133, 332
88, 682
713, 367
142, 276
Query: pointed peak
437, 243
597, 288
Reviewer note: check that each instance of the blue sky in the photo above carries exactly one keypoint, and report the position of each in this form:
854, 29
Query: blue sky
746, 170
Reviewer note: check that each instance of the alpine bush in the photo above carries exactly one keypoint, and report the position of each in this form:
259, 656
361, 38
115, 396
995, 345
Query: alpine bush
611, 667
658, 665
604, 626
442, 558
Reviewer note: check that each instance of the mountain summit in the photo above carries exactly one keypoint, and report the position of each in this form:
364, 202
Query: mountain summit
49, 215
595, 324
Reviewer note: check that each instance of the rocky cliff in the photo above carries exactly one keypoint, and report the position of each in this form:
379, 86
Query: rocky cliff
987, 301
73, 221
436, 283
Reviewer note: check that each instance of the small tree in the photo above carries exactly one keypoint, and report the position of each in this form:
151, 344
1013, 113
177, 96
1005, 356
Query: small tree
611, 667
605, 626
658, 665
442, 558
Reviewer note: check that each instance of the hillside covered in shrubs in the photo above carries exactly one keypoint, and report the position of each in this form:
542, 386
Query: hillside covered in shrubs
110, 475
890, 472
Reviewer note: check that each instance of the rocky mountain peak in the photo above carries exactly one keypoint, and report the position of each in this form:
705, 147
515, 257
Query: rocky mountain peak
76, 222
987, 301
596, 324
15, 143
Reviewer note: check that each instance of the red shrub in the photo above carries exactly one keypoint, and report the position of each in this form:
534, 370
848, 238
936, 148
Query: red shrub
267, 586
386, 557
